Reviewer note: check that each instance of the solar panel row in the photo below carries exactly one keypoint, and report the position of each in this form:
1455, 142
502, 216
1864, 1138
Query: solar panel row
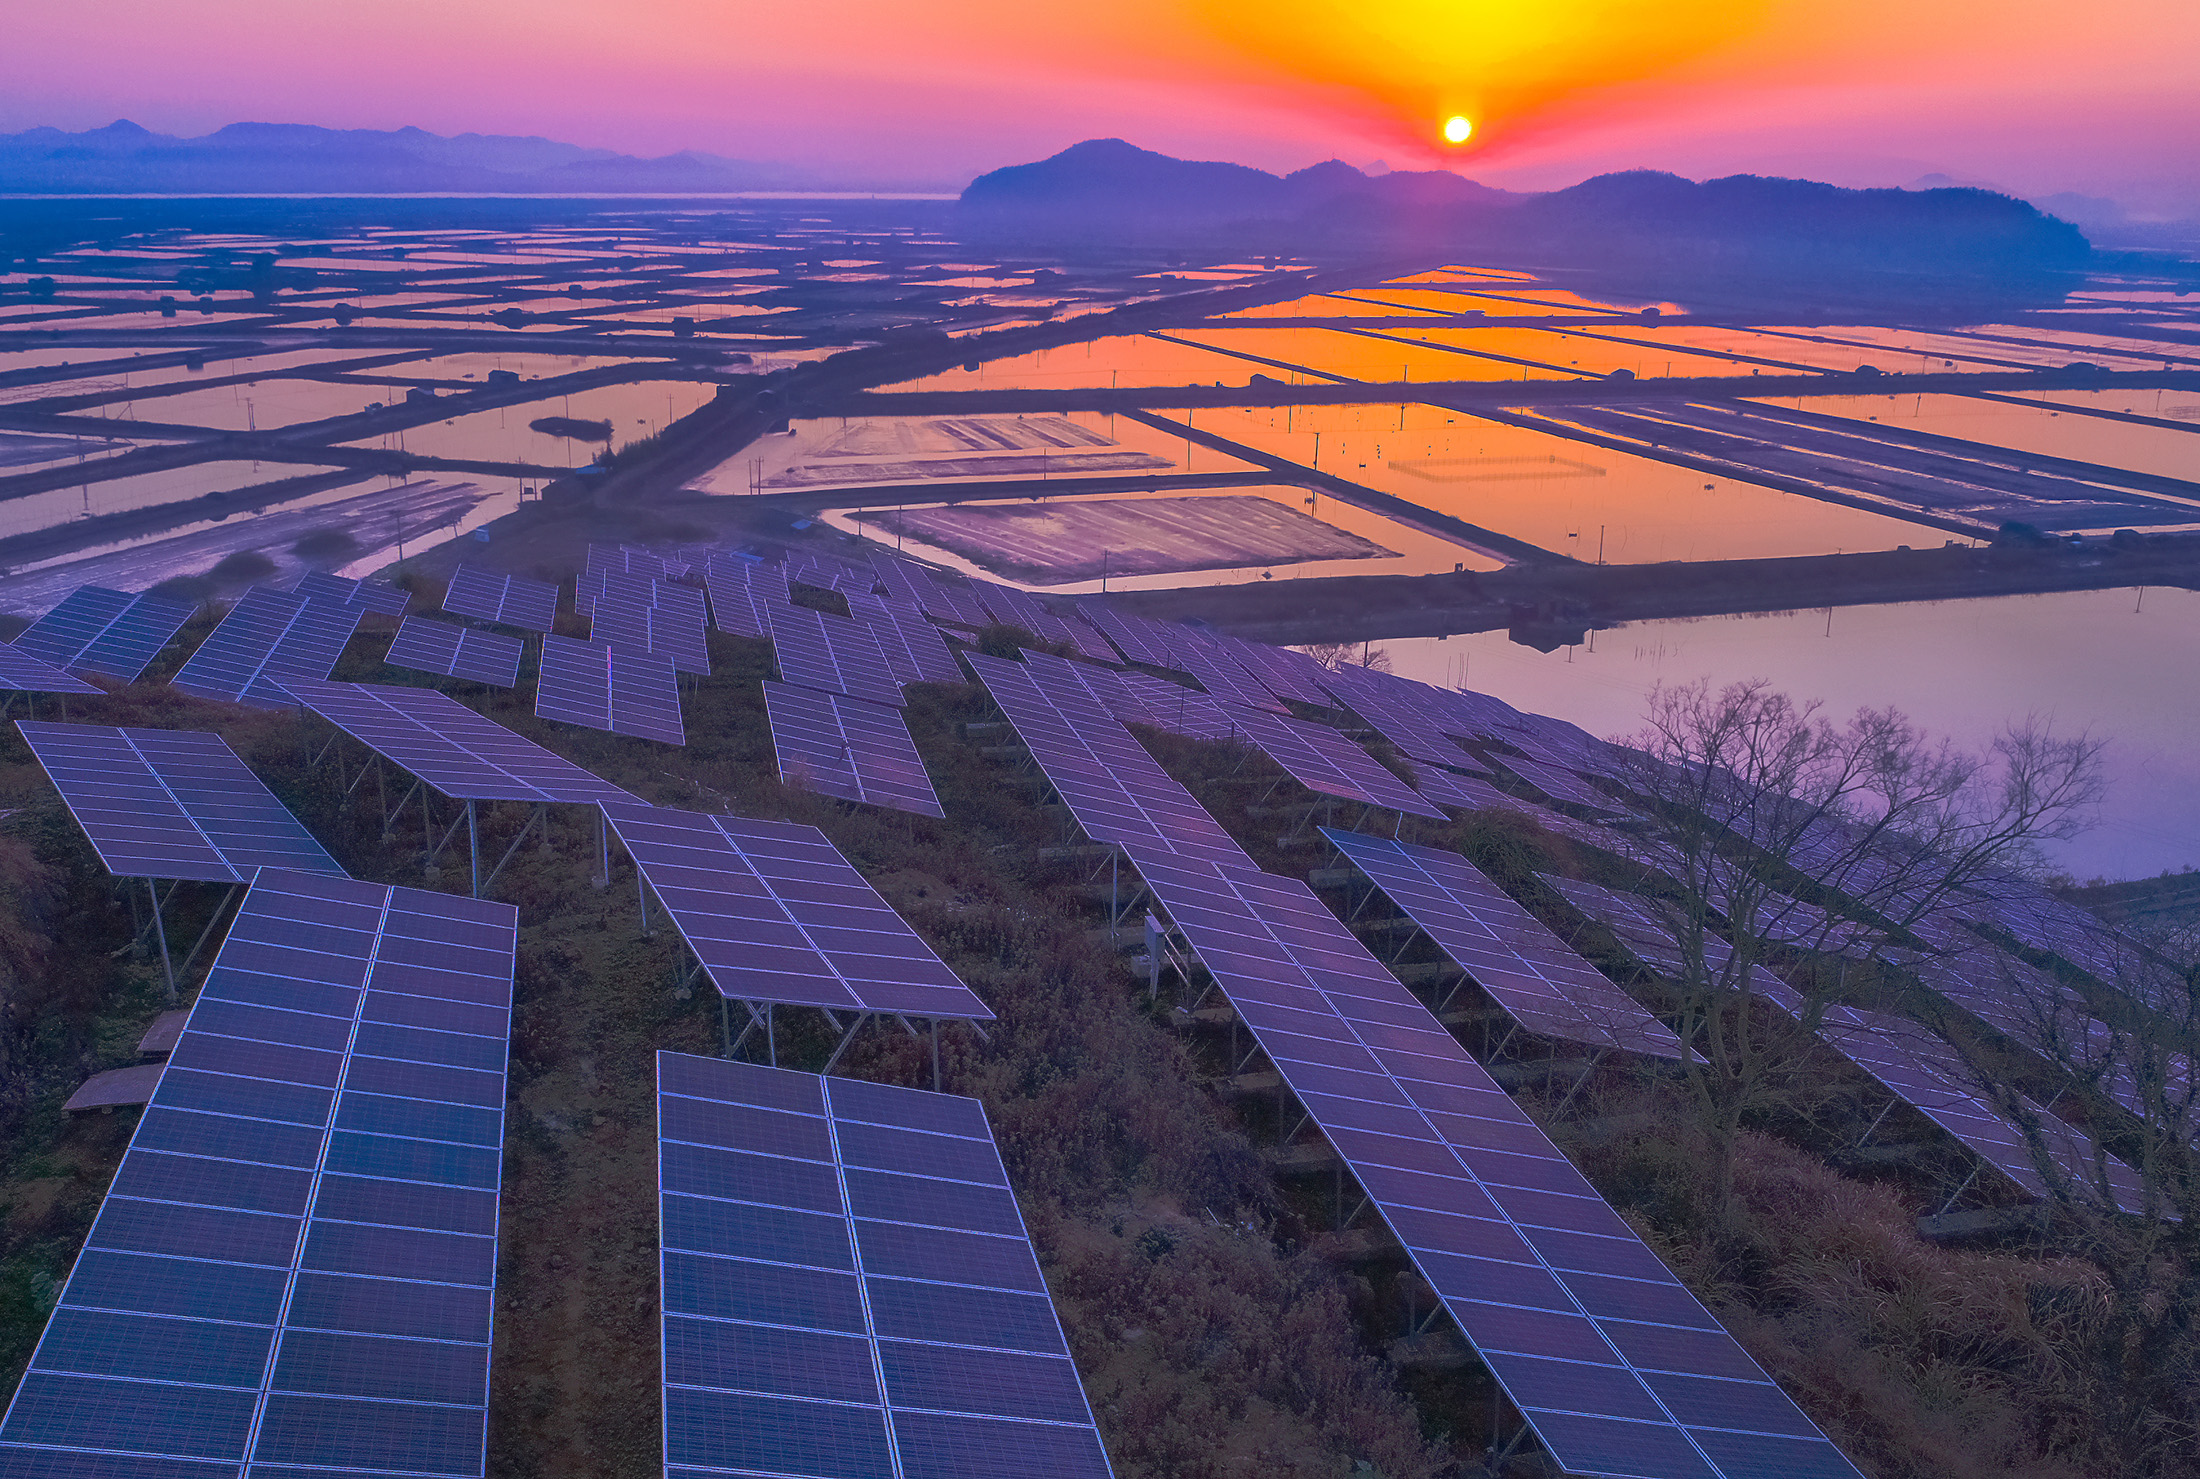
1115, 790
1614, 1364
937, 597
1507, 951
1392, 708
109, 633
267, 638
605, 562
832, 654
849, 1289
913, 648
1170, 706
171, 803
1218, 672
1559, 784
1012, 607
742, 593
775, 914
1324, 761
669, 623
295, 1266
22, 673
452, 749
1135, 636
433, 646
372, 595
841, 746
1654, 938
1283, 672
620, 690
511, 600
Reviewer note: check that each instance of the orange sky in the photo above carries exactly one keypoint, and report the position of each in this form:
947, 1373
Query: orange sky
2039, 96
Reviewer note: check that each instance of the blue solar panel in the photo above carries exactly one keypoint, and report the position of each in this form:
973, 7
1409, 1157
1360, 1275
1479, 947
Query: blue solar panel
373, 595
1133, 635
937, 597
22, 673
295, 1265
742, 592
1115, 790
1324, 761
267, 637
841, 746
1614, 1364
775, 914
510, 600
108, 633
454, 750
832, 654
617, 689
1508, 952
172, 803
434, 646
667, 621
914, 650
848, 1288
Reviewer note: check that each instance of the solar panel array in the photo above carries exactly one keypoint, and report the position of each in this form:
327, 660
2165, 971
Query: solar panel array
1115, 790
23, 673
669, 623
1281, 671
775, 914
511, 600
841, 746
742, 593
1509, 953
606, 564
110, 633
372, 595
1324, 761
914, 650
1011, 607
266, 639
433, 646
172, 803
849, 1288
937, 597
1410, 720
620, 690
1171, 706
1559, 784
1134, 636
1925, 1072
832, 654
454, 750
295, 1266
1654, 939
1220, 673
1614, 1364
826, 572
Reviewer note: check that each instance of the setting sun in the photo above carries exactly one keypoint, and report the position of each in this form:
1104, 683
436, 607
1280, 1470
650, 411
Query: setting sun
1457, 129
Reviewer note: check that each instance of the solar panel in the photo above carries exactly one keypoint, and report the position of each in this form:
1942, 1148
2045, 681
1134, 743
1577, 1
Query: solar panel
1392, 707
1115, 790
832, 654
1174, 707
1508, 952
110, 633
510, 600
913, 648
620, 690
1134, 636
295, 1266
742, 592
669, 624
434, 646
372, 595
848, 1287
268, 637
1614, 1364
1654, 939
1015, 608
1559, 784
171, 803
1281, 671
943, 600
450, 747
22, 673
1219, 673
841, 746
774, 913
606, 563
1324, 761
1925, 1072
825, 572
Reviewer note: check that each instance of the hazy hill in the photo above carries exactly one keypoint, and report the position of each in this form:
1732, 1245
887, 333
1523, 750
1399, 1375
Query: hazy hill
278, 158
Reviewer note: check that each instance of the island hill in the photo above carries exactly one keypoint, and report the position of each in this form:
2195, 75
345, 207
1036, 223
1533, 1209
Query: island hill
1105, 190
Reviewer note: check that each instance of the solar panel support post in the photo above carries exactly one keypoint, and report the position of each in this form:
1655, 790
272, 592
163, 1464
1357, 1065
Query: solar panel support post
935, 1055
603, 851
208, 933
1961, 1187
160, 930
389, 818
540, 815
847, 1039
473, 845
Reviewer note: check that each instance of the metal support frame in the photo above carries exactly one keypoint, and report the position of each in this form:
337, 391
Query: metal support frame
160, 930
1961, 1187
540, 815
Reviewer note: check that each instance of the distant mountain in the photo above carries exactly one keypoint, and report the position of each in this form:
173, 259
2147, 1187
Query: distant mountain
287, 158
1108, 190
1120, 188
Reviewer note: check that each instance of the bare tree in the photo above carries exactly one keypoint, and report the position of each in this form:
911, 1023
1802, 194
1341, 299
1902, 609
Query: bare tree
1335, 655
1793, 836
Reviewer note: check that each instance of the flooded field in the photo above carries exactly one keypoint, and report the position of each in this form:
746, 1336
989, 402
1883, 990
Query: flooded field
2117, 664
